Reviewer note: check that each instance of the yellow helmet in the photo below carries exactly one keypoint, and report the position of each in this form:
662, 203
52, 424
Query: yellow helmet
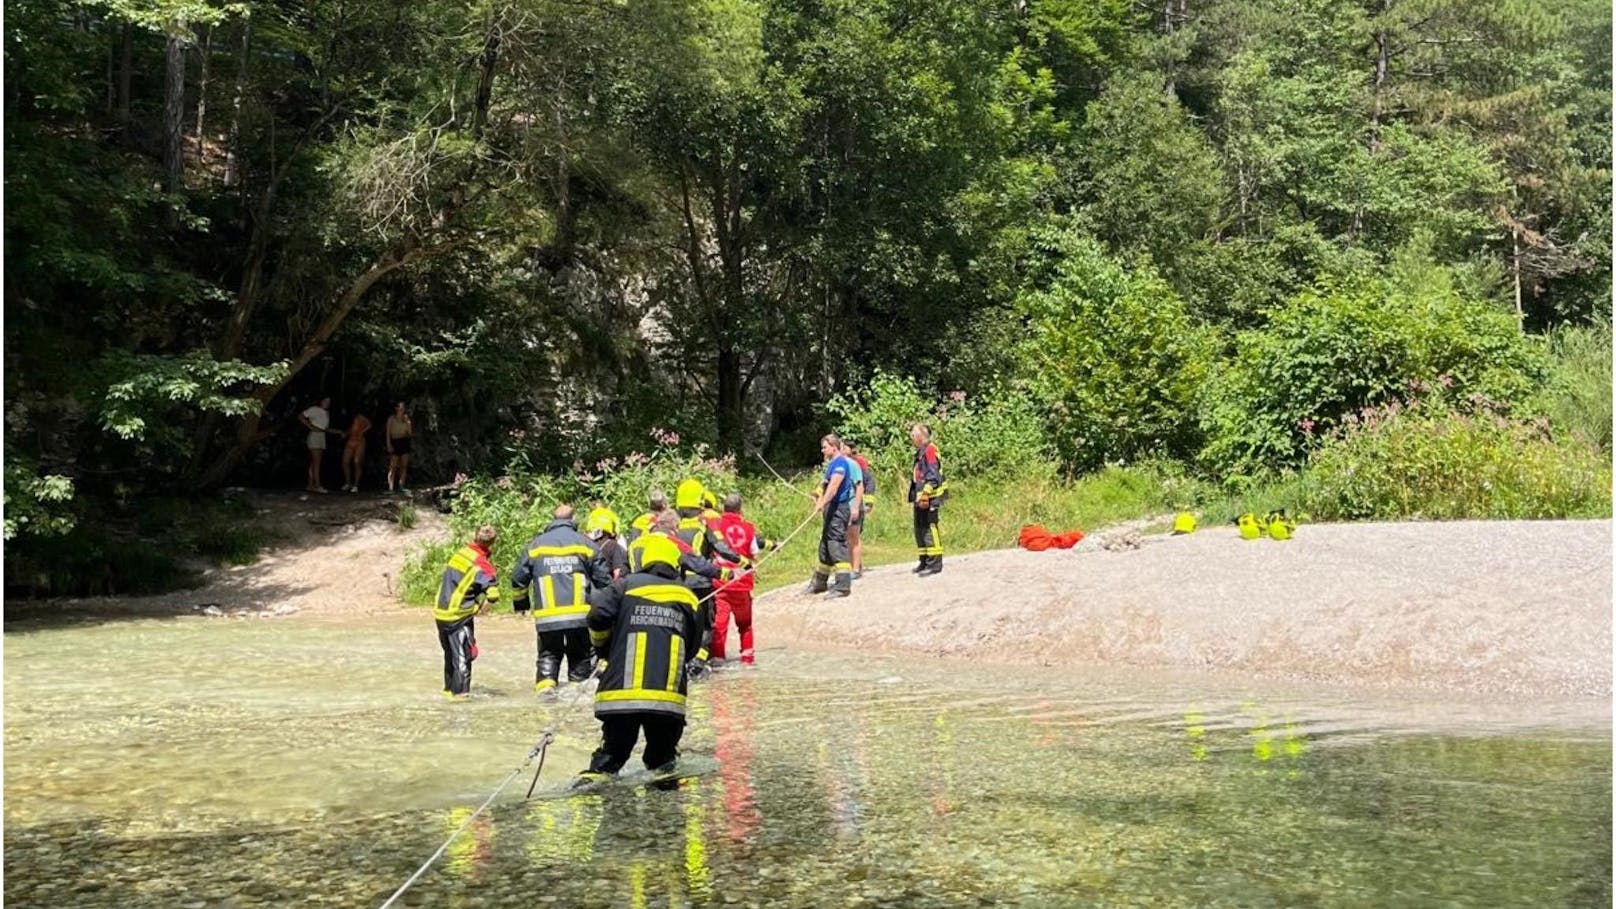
602, 520
653, 549
709, 500
1249, 528
689, 494
1184, 523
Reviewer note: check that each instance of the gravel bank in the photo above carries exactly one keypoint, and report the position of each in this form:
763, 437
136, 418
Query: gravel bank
1517, 607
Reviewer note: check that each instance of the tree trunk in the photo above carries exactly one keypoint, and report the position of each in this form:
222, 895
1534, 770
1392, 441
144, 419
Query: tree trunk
251, 431
730, 417
202, 96
1167, 29
112, 75
1515, 266
485, 81
232, 166
174, 108
126, 68
1382, 61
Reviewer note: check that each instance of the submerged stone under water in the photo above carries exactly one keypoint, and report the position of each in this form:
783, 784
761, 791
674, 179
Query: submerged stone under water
198, 763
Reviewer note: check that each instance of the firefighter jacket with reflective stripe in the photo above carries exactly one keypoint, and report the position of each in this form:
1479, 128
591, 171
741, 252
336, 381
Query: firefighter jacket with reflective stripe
639, 526
690, 564
928, 476
560, 566
646, 626
468, 576
702, 540
742, 537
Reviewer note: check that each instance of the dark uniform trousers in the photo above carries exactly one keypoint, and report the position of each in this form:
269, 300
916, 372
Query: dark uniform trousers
455, 638
620, 731
574, 644
833, 553
928, 542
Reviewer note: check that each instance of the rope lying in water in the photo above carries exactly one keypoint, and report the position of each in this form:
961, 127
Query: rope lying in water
536, 752
538, 749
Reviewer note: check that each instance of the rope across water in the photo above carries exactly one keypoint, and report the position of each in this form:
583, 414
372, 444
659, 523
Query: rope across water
549, 736
537, 751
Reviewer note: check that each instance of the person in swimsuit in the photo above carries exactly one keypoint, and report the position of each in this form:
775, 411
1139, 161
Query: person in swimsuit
353, 453
400, 433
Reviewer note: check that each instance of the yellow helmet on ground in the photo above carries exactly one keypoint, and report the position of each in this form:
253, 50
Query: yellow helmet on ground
1249, 528
689, 493
653, 549
1184, 523
602, 520
1279, 525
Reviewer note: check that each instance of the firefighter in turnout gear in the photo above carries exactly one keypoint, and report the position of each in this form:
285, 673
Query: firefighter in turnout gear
561, 566
700, 536
645, 628
692, 567
602, 528
469, 585
836, 502
656, 503
928, 491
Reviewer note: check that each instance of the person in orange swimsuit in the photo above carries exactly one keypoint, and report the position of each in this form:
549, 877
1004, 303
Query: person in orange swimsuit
353, 453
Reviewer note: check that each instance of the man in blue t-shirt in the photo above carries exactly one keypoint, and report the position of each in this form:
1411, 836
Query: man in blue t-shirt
836, 502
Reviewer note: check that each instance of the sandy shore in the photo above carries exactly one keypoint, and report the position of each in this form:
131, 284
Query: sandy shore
1484, 607
1516, 608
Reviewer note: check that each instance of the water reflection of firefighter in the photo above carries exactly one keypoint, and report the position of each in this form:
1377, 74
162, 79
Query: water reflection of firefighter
942, 799
843, 769
468, 854
659, 839
564, 831
1292, 747
733, 708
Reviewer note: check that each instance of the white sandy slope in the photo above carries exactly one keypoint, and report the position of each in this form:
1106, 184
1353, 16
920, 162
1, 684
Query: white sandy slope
1510, 607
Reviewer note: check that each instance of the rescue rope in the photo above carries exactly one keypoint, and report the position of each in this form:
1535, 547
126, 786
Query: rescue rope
766, 556
783, 480
536, 752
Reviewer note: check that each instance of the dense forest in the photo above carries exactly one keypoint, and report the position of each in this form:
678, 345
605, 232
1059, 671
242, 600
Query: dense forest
1209, 231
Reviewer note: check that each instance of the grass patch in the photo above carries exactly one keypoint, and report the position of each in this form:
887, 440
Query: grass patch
1577, 398
980, 515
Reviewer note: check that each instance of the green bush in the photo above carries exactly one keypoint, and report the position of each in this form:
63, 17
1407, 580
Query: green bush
995, 436
1434, 462
36, 505
521, 505
1577, 398
1354, 343
1113, 357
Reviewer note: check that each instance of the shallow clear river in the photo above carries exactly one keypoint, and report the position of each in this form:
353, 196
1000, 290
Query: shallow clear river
261, 762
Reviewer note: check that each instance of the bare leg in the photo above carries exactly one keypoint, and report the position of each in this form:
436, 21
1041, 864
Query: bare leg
403, 471
392, 471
